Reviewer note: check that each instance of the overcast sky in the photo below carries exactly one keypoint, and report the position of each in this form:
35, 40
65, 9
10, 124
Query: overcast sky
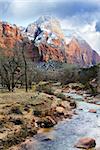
80, 15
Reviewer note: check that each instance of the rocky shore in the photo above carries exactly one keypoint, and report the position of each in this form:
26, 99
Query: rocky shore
23, 114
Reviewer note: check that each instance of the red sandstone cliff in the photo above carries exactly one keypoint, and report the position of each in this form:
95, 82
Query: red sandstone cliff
46, 41
79, 52
9, 35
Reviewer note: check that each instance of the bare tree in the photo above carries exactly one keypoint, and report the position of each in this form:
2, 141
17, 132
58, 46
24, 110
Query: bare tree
25, 66
10, 70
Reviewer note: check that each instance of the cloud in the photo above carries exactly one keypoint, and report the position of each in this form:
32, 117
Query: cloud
75, 8
24, 11
92, 36
86, 31
4, 6
78, 15
29, 9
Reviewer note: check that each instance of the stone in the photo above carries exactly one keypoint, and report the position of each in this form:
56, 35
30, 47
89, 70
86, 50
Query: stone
73, 104
86, 143
46, 122
46, 139
92, 111
80, 109
60, 110
65, 104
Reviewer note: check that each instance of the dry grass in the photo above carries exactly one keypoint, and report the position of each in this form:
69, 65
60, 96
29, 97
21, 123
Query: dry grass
17, 96
19, 112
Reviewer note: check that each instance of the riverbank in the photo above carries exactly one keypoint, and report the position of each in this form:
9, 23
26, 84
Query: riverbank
66, 133
23, 114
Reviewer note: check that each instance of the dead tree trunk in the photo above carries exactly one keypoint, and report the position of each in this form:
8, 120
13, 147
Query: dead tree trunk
25, 68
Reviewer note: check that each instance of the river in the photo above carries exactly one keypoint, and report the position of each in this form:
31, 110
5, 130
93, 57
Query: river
66, 133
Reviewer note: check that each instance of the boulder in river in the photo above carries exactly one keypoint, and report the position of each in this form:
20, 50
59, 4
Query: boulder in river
46, 139
92, 111
86, 143
73, 104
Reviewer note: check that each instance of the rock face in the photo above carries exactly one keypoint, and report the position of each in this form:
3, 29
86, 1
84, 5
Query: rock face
86, 143
51, 44
95, 57
49, 38
9, 35
79, 52
46, 41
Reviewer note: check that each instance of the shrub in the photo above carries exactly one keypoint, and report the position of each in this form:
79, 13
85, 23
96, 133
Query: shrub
37, 113
15, 110
17, 121
59, 72
45, 88
18, 137
62, 96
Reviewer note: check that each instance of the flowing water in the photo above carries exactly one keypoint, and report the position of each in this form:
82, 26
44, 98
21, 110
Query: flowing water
66, 133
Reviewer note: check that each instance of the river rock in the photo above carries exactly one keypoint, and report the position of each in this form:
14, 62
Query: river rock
73, 104
65, 104
92, 111
80, 109
46, 122
60, 110
47, 139
86, 143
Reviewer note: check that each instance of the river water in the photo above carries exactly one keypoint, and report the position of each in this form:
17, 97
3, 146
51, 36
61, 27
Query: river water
66, 133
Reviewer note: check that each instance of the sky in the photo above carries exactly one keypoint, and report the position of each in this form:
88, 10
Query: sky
82, 16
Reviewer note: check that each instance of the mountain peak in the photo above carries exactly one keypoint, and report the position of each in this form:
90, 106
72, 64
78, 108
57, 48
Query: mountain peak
78, 39
45, 19
48, 24
49, 42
